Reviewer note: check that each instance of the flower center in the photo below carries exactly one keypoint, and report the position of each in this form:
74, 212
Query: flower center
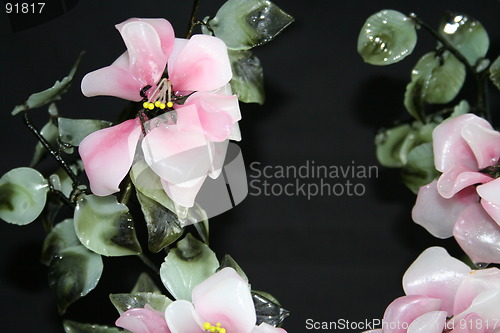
211, 328
160, 98
493, 171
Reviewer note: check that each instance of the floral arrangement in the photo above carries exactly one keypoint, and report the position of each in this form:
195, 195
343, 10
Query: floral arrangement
448, 154
169, 143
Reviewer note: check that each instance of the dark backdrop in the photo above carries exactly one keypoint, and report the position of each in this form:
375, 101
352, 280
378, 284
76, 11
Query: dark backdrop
327, 258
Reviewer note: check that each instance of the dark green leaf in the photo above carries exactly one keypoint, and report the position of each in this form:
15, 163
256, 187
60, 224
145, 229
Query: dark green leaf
495, 72
145, 284
243, 24
202, 227
62, 236
49, 95
105, 226
228, 261
186, 266
124, 302
73, 131
387, 37
163, 225
268, 311
419, 170
248, 77
23, 193
74, 327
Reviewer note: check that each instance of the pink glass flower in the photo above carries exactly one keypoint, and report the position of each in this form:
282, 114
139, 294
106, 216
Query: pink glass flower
464, 201
443, 294
198, 69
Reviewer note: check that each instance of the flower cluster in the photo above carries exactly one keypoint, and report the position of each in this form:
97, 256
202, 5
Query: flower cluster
465, 201
445, 295
222, 303
188, 110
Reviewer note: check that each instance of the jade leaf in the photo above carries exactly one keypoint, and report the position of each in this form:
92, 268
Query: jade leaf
388, 145
50, 132
145, 284
162, 224
74, 327
248, 77
243, 24
186, 266
419, 169
73, 273
387, 37
23, 193
228, 261
49, 95
467, 35
124, 302
495, 72
73, 131
267, 310
105, 226
62, 236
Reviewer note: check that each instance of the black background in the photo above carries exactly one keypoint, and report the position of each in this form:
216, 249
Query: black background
326, 259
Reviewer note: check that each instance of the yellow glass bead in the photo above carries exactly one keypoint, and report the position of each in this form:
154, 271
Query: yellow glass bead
157, 104
206, 326
151, 106
170, 104
212, 329
218, 325
145, 105
222, 330
163, 106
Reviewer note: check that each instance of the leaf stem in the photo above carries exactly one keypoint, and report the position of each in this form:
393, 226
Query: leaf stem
193, 21
49, 149
148, 263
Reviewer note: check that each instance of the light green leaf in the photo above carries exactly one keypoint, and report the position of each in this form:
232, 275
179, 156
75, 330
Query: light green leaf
73, 273
186, 266
267, 309
74, 327
389, 143
419, 170
467, 35
145, 284
105, 226
73, 131
23, 193
461, 108
62, 236
228, 261
163, 225
124, 302
387, 37
243, 24
50, 132
495, 72
248, 77
49, 95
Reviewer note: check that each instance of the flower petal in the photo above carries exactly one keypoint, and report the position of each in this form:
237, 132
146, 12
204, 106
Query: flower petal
435, 274
142, 321
486, 305
201, 65
490, 191
225, 297
404, 310
472, 323
181, 317
484, 142
475, 283
266, 328
437, 214
183, 194
430, 322
492, 209
457, 178
478, 235
108, 154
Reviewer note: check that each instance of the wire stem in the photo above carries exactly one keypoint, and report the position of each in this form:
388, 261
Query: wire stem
193, 21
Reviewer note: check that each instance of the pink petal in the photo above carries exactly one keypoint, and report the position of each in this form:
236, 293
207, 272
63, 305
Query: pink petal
202, 65
374, 331
404, 310
472, 323
437, 214
108, 154
181, 317
266, 328
484, 142
478, 235
475, 283
450, 148
492, 209
225, 297
490, 191
430, 322
217, 113
457, 178
487, 306
142, 321
184, 194
435, 274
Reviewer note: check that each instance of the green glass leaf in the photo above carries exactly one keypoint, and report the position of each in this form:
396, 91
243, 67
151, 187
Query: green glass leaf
267, 310
73, 273
389, 143
248, 77
74, 327
23, 193
145, 284
387, 37
124, 302
186, 266
228, 261
495, 72
419, 170
62, 236
467, 35
243, 24
73, 131
49, 95
50, 132
163, 225
461, 108
203, 226
105, 226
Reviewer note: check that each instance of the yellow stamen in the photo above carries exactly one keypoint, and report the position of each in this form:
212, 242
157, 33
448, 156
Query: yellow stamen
206, 326
170, 104
145, 105
157, 104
